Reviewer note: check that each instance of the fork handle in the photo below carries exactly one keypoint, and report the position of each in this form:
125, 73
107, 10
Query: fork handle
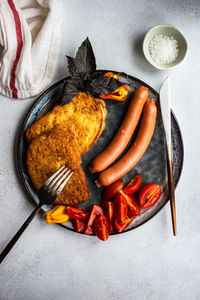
19, 233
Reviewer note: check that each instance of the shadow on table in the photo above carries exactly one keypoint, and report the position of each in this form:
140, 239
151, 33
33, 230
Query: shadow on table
139, 58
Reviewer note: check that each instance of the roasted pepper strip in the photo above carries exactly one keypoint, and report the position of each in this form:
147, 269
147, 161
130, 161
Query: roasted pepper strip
58, 214
120, 94
111, 74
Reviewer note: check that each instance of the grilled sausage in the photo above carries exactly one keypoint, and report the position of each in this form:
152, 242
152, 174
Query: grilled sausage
123, 136
136, 151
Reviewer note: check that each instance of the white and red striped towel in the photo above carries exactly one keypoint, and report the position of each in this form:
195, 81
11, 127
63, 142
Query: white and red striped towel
29, 34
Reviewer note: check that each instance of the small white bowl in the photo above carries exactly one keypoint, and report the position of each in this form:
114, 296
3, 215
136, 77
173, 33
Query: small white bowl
168, 30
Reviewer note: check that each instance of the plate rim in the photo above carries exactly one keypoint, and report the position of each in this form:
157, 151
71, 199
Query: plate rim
21, 132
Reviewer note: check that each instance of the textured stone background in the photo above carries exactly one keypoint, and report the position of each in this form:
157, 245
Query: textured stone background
50, 262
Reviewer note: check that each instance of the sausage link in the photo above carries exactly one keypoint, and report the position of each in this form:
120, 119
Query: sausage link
123, 136
136, 151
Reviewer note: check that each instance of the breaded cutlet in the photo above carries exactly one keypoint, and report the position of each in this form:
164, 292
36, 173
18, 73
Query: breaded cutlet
50, 151
84, 115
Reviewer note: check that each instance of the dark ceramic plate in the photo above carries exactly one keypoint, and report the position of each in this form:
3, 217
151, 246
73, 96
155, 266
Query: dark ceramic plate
152, 166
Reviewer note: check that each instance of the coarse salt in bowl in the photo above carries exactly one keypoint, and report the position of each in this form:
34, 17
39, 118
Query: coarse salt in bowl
164, 47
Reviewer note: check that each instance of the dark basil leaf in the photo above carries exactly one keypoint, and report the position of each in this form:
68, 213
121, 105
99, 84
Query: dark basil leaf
73, 68
79, 81
83, 77
77, 78
85, 59
68, 92
104, 85
82, 65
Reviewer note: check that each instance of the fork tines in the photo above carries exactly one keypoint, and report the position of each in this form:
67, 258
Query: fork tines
58, 180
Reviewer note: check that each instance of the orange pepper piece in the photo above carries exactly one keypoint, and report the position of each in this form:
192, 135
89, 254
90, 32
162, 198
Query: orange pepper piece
120, 94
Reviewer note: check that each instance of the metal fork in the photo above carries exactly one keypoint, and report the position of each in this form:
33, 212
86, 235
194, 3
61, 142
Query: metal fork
47, 194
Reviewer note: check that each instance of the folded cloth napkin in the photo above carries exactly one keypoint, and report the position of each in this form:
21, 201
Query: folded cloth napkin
29, 35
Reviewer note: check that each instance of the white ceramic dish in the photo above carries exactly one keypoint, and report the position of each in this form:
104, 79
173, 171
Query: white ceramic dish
168, 30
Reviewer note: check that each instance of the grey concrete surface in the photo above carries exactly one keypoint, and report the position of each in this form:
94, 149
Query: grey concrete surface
52, 263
